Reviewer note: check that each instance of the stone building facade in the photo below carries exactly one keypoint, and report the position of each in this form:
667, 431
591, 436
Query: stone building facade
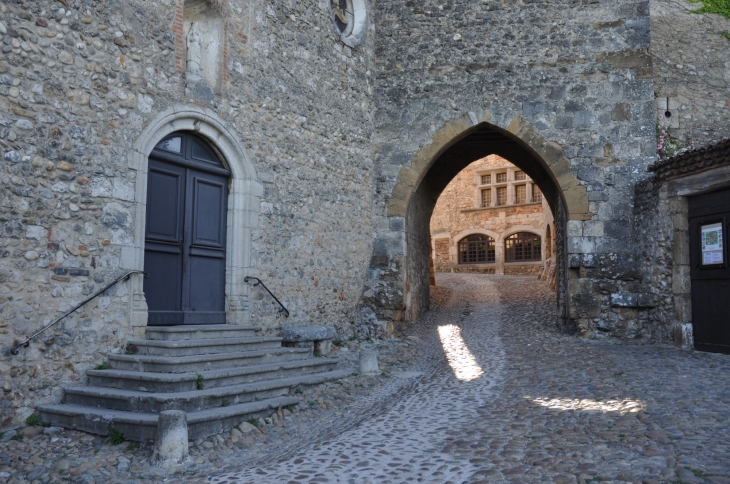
337, 128
496, 204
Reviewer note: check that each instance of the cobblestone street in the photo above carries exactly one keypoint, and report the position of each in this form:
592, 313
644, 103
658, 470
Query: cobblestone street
514, 401
483, 389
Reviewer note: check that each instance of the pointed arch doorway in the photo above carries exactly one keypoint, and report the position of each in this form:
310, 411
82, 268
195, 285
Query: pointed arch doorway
185, 236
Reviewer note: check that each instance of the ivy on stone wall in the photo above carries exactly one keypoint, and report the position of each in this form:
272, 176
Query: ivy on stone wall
720, 7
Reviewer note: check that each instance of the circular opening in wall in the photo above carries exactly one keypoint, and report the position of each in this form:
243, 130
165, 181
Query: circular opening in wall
667, 114
351, 20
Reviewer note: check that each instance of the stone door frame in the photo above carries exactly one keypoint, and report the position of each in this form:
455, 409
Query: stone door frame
244, 203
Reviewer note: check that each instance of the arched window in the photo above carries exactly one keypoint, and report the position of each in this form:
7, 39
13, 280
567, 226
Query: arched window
522, 246
476, 248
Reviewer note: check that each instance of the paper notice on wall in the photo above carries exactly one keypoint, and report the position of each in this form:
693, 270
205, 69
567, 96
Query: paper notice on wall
711, 239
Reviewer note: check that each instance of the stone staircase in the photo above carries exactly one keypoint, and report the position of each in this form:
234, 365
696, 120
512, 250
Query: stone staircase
220, 375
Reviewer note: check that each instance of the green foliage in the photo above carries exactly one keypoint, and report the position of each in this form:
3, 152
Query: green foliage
298, 391
18, 437
726, 35
317, 354
132, 447
103, 366
720, 7
115, 436
338, 342
33, 420
289, 407
199, 382
253, 421
697, 472
225, 402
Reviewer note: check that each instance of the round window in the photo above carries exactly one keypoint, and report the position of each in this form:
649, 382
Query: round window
351, 20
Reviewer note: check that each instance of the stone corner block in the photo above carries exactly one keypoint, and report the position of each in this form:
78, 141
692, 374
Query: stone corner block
307, 333
647, 300
624, 300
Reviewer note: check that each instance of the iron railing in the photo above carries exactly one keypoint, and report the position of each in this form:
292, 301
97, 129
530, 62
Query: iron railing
259, 281
16, 349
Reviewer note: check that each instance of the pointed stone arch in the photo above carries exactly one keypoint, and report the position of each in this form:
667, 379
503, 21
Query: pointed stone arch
555, 162
395, 291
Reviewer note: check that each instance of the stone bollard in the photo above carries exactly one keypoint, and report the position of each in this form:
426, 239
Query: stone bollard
171, 444
368, 361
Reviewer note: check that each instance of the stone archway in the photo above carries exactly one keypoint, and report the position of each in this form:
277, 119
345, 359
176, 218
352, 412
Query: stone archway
243, 204
397, 290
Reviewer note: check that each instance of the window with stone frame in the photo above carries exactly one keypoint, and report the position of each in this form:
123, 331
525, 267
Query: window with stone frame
502, 196
486, 179
486, 197
520, 175
522, 247
476, 248
536, 194
501, 177
520, 193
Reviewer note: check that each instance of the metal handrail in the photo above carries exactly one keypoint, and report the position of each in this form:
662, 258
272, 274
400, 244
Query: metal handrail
259, 281
15, 350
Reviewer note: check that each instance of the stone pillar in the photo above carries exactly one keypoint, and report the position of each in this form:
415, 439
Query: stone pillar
171, 444
368, 361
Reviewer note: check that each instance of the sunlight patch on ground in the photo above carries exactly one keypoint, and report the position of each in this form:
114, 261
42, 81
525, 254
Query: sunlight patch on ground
461, 360
588, 405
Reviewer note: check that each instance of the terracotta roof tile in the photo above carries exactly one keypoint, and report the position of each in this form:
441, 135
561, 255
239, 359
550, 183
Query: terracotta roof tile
694, 161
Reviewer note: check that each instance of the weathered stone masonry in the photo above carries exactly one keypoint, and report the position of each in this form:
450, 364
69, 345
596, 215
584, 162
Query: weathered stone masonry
84, 92
338, 149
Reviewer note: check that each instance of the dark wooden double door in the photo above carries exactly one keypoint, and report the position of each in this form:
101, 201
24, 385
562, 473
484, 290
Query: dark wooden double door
709, 221
185, 240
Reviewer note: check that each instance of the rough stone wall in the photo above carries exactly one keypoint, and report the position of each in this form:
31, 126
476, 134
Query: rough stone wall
77, 86
584, 84
458, 210
691, 71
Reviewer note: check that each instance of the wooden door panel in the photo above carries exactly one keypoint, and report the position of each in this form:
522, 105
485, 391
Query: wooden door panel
165, 201
185, 241
206, 285
710, 285
209, 210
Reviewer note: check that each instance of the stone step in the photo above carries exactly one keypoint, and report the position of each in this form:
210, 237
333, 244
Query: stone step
202, 346
212, 331
184, 364
145, 402
142, 427
184, 382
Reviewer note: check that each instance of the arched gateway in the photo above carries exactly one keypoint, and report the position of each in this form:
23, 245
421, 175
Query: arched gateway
398, 289
197, 199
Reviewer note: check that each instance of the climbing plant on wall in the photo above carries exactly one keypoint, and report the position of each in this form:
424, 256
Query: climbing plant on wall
720, 7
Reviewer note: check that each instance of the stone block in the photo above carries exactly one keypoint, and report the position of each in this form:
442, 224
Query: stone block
648, 300
319, 338
681, 283
574, 261
171, 444
585, 305
683, 335
680, 247
624, 300
589, 260
368, 361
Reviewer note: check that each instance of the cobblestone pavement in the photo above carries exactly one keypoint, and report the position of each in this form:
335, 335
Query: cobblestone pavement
496, 395
514, 401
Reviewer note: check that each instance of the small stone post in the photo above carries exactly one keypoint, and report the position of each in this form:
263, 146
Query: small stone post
171, 444
368, 361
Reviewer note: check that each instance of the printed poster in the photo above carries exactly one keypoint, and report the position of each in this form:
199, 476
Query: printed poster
711, 241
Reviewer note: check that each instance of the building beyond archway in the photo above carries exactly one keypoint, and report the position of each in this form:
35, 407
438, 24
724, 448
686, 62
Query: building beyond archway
493, 199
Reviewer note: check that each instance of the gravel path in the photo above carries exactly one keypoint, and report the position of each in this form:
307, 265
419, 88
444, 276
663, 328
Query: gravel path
483, 389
